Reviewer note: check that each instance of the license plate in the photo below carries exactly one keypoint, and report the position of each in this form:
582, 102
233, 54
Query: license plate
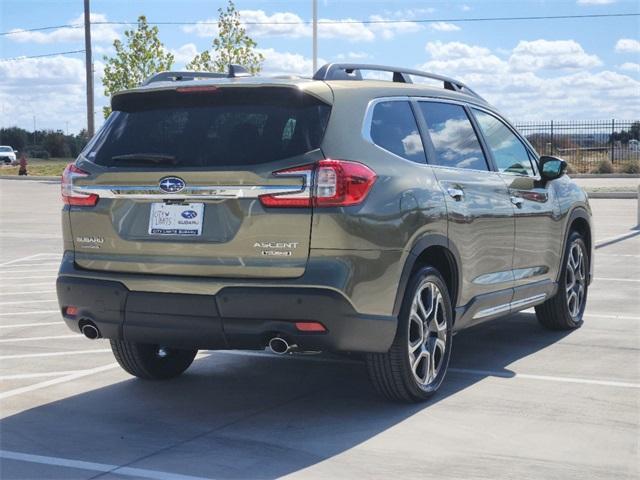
176, 219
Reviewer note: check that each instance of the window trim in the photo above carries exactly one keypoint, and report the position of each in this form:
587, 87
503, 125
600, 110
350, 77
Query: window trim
531, 155
367, 124
426, 137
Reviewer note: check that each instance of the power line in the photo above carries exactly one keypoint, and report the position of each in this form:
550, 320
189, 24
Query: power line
40, 56
339, 22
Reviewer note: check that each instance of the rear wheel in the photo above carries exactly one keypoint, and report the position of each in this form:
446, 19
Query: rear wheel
151, 362
565, 309
415, 365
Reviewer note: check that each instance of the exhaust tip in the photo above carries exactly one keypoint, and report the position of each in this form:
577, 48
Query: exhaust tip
279, 345
90, 331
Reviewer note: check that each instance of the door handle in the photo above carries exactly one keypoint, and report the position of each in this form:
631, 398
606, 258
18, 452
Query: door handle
456, 193
517, 201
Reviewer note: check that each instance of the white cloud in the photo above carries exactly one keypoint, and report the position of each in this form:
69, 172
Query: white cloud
595, 2
290, 25
530, 95
628, 45
630, 67
552, 55
183, 54
465, 8
353, 56
99, 33
285, 63
444, 27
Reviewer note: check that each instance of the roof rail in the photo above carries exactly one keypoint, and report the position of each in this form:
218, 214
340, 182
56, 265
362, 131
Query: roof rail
234, 71
352, 71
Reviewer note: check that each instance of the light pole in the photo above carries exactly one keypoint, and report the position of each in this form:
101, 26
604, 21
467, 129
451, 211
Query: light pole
89, 68
315, 37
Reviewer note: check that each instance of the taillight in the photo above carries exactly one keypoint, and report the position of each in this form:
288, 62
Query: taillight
336, 183
340, 183
68, 195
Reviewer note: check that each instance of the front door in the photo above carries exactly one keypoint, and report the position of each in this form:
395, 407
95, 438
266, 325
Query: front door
479, 209
538, 247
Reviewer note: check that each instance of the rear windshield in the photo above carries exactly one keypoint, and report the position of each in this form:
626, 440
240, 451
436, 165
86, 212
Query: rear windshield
219, 127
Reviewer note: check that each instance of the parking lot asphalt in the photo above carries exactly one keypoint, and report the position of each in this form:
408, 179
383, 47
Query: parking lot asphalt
518, 402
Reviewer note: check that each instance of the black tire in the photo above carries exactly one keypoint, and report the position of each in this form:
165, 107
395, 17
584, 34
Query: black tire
555, 313
391, 373
151, 362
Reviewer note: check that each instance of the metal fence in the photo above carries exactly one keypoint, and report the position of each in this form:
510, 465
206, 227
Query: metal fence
586, 144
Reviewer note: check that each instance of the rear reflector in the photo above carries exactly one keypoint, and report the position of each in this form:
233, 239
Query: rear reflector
328, 183
71, 311
68, 195
310, 327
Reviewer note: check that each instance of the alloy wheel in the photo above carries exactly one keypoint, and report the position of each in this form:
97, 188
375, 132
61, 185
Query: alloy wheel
575, 280
427, 333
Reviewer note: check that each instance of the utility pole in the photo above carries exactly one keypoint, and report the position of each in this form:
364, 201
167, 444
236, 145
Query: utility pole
89, 68
315, 36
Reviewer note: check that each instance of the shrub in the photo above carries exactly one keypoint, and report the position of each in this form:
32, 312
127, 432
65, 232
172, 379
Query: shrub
632, 166
604, 166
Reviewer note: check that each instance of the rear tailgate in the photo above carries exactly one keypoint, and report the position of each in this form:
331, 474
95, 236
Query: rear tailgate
179, 174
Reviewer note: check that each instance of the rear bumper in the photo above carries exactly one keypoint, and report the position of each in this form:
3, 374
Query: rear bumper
234, 318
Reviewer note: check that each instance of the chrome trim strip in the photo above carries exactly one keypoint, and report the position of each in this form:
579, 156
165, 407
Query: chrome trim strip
506, 307
144, 192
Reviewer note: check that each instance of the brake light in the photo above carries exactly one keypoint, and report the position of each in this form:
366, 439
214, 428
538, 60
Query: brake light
336, 183
68, 195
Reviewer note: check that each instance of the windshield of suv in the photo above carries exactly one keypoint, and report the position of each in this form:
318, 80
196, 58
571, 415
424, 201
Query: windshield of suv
209, 127
6, 149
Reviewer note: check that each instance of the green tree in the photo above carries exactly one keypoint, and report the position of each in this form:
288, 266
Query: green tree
232, 46
141, 56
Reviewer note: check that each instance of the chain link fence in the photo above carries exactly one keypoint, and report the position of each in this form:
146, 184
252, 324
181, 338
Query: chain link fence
587, 146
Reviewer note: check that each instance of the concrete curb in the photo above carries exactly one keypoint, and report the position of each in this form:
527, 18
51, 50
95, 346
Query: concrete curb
28, 177
612, 195
604, 175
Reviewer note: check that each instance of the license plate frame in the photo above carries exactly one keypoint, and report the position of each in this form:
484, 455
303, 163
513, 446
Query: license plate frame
176, 219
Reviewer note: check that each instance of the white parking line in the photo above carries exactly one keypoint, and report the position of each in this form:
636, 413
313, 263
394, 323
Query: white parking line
29, 277
56, 381
617, 279
57, 264
31, 257
96, 467
549, 378
23, 302
35, 339
33, 312
490, 373
54, 354
27, 293
25, 376
598, 255
613, 239
31, 270
606, 315
37, 324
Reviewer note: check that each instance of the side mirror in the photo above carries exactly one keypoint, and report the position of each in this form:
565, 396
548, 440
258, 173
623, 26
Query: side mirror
552, 167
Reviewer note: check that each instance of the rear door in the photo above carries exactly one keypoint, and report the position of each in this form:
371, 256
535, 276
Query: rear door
480, 214
181, 176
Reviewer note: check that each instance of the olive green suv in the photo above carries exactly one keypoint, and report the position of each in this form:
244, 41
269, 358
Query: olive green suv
338, 213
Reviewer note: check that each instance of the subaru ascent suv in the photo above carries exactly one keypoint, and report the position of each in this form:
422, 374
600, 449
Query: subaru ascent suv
340, 214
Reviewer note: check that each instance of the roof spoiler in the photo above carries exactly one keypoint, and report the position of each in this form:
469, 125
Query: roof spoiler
235, 71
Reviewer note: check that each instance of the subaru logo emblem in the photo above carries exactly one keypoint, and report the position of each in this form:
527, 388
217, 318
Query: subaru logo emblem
189, 214
171, 184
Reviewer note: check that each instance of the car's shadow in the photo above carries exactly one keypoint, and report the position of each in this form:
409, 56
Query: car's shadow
240, 416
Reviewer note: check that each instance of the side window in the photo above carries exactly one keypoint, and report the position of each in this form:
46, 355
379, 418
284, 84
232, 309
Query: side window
509, 153
394, 128
454, 140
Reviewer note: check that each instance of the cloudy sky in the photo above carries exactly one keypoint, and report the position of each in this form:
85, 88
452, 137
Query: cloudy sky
536, 69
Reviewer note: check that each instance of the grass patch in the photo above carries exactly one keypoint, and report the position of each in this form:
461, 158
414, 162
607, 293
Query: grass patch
37, 167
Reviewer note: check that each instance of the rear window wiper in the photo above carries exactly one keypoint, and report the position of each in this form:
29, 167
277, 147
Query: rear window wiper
157, 158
